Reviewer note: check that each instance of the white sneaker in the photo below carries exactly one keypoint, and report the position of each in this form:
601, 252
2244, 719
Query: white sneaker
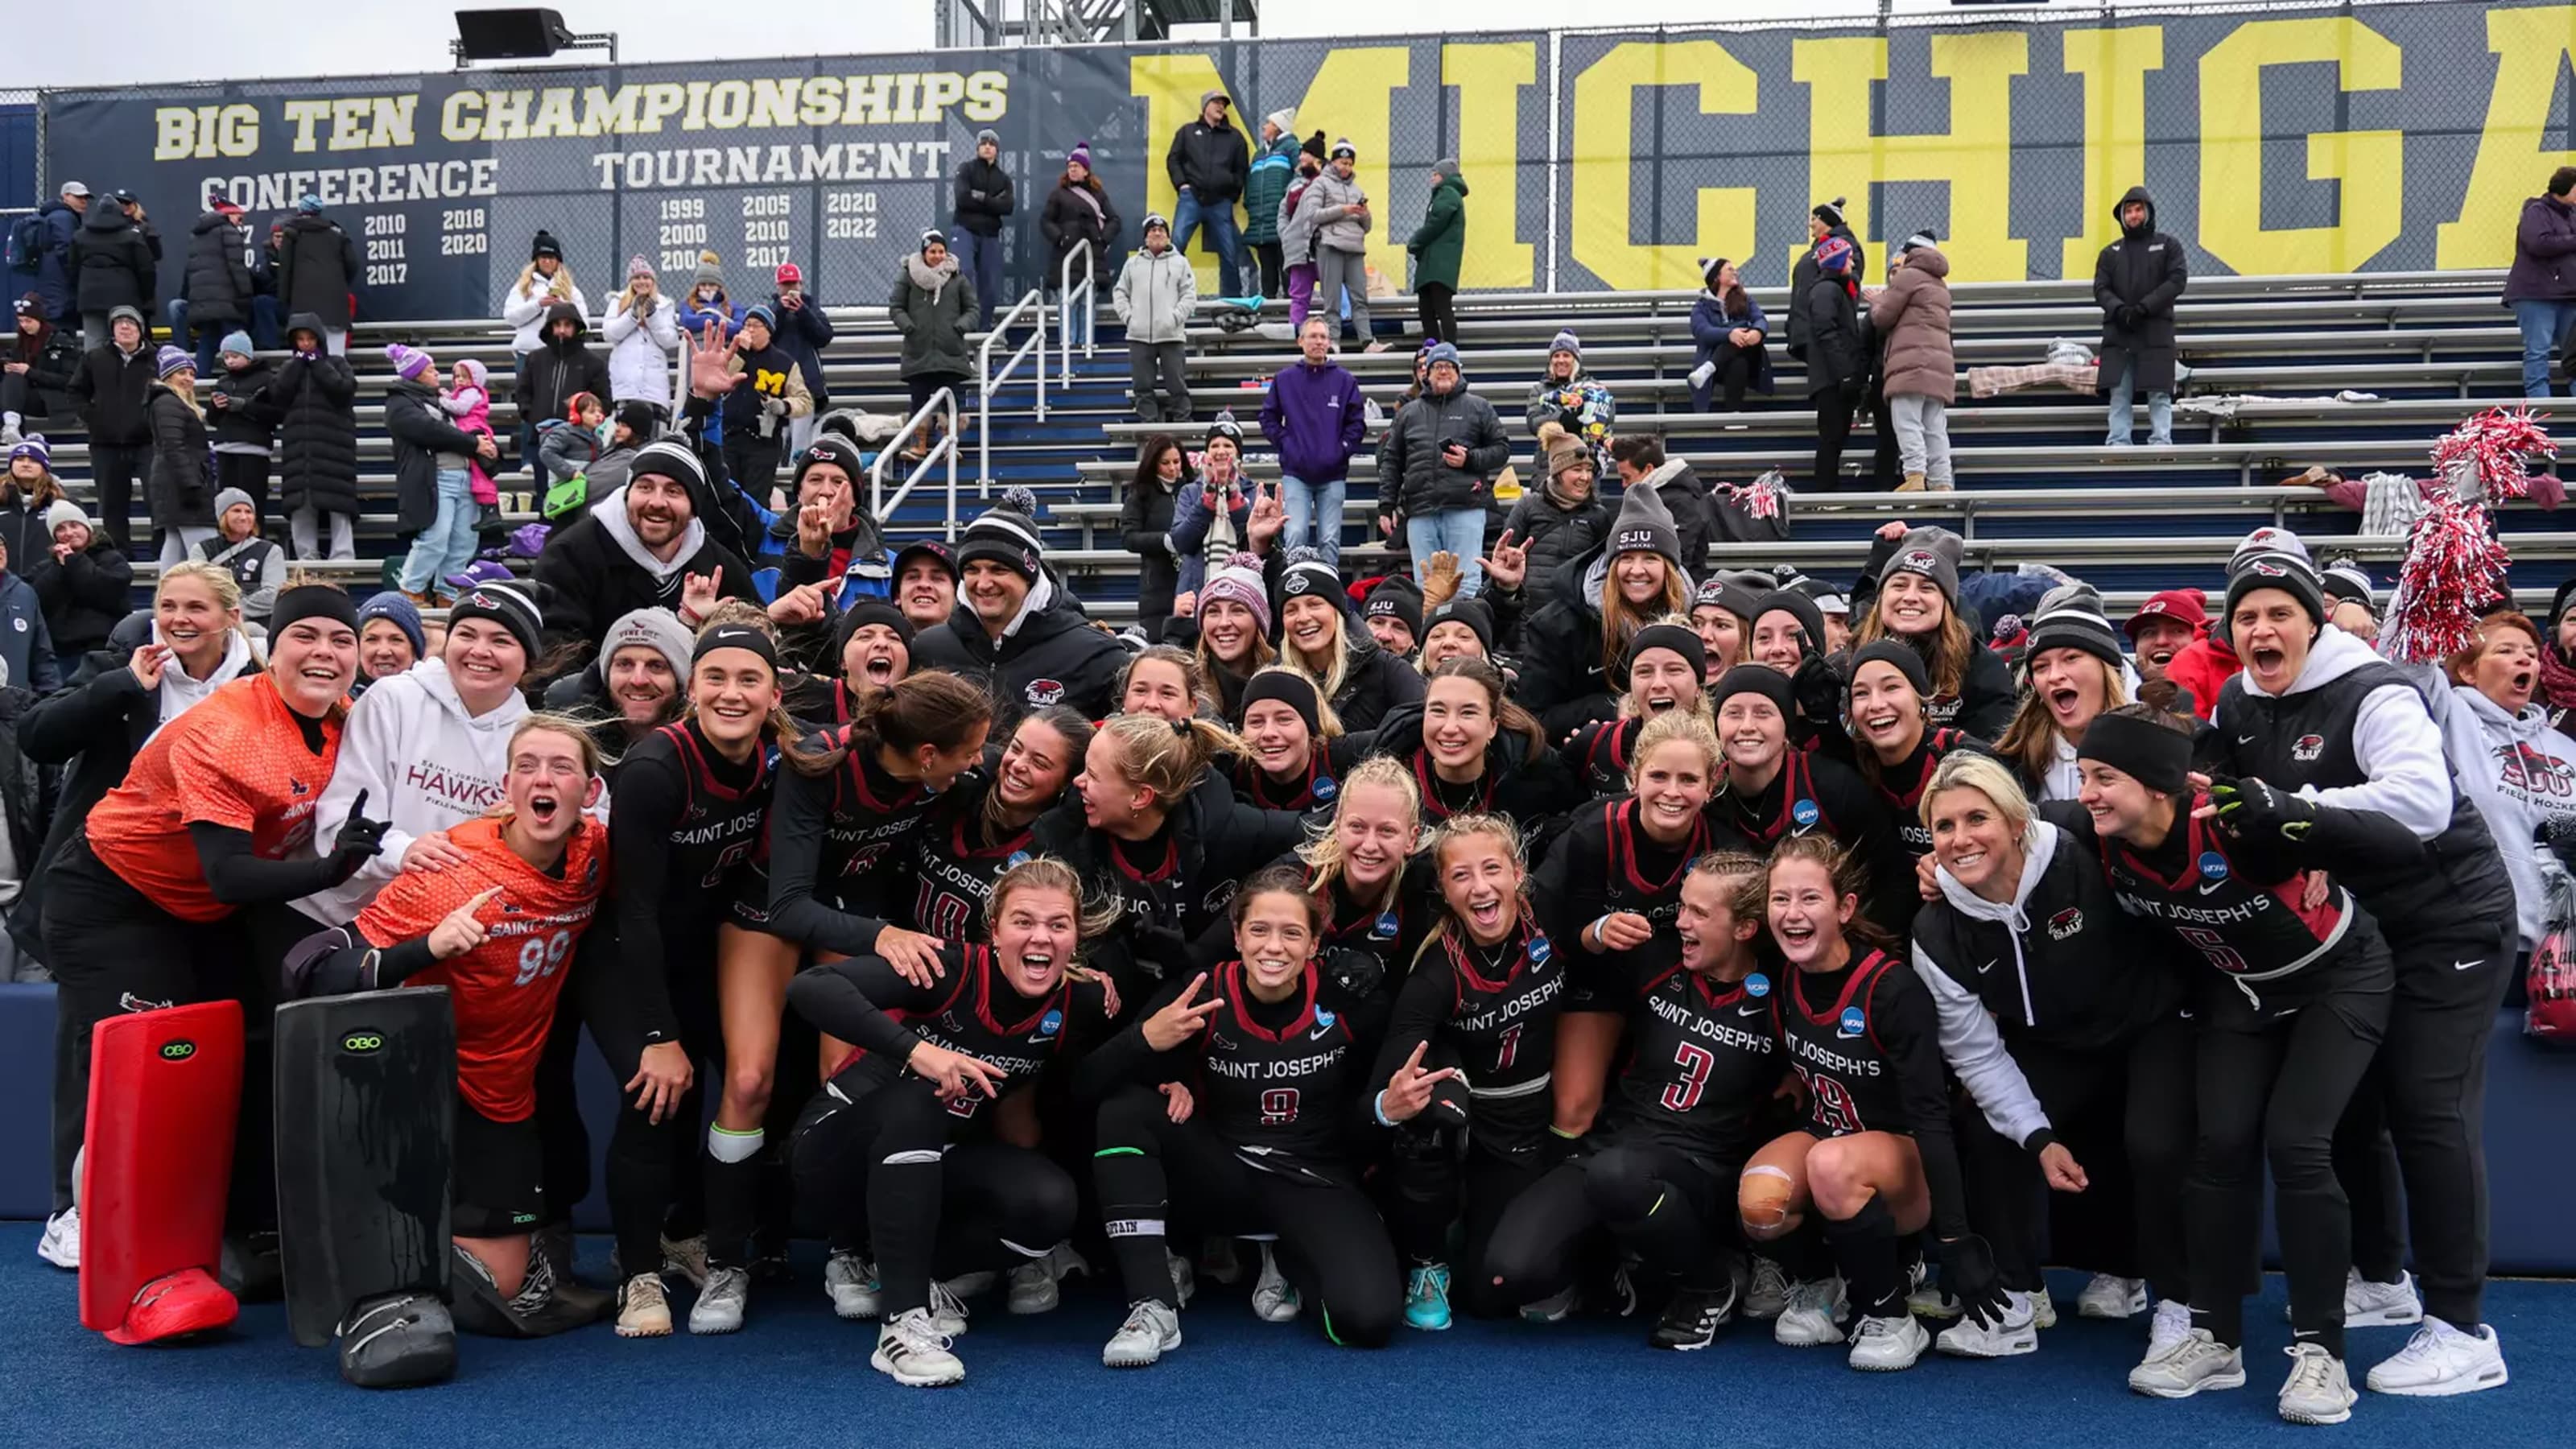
1703, 374
1924, 1297
721, 1303
1808, 1319
2317, 1391
2378, 1305
1037, 1285
851, 1281
2109, 1297
947, 1308
60, 1245
1886, 1345
2196, 1362
686, 1257
1152, 1330
2013, 1334
2043, 1309
1769, 1291
1185, 1279
1274, 1298
644, 1308
1554, 1308
2439, 1361
914, 1353
2165, 1333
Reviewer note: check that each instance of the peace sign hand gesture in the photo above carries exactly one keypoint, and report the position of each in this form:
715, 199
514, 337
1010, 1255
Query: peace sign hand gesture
1181, 1020
1408, 1092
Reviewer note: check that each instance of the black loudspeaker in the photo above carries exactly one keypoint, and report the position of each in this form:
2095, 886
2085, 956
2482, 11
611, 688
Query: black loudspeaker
511, 34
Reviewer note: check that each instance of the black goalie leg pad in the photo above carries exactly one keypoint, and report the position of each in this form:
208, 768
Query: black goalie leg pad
366, 1102
396, 1341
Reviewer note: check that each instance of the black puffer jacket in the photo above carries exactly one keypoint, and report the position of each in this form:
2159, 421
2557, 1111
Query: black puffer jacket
421, 432
1564, 680
112, 263
2145, 269
181, 490
317, 438
1410, 470
84, 596
252, 414
1553, 535
1068, 221
984, 196
218, 285
559, 368
1839, 353
1054, 657
317, 267
1804, 274
108, 391
1213, 162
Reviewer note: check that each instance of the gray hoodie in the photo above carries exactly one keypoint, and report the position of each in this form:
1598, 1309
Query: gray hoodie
1327, 204
2520, 773
1155, 295
611, 513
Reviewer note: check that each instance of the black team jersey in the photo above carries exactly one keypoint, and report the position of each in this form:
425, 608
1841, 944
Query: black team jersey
1866, 1041
1492, 1011
834, 840
1315, 787
1702, 1061
1814, 794
1900, 786
2236, 909
971, 1008
1600, 753
956, 858
1605, 862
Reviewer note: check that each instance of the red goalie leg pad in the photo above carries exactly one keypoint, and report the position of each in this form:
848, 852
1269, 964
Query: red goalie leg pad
164, 1090
176, 1304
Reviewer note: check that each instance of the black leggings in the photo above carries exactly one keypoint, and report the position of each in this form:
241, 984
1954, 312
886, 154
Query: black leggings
1736, 367
1332, 1243
566, 1141
654, 1180
929, 1207
1433, 1189
113, 469
2125, 1112
2420, 1120
2271, 1088
1665, 1203
1833, 430
1436, 301
1272, 257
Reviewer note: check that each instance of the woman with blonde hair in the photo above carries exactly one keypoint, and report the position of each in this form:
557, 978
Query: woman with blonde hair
179, 490
643, 333
1360, 869
1576, 652
1319, 638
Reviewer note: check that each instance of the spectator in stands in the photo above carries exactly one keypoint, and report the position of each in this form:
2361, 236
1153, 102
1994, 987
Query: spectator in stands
2517, 767
1824, 223
630, 427
799, 328
1568, 403
317, 273
930, 306
1321, 637
110, 391
1436, 469
708, 301
256, 564
1155, 295
643, 546
1078, 212
1918, 602
90, 587
317, 470
391, 637
643, 334
1314, 415
1013, 630
567, 446
1564, 518
1263, 190
28, 488
1911, 315
1338, 209
41, 358
1212, 518
2352, 604
112, 266
542, 283
1574, 659
216, 289
1297, 234
1640, 459
829, 539
26, 644
433, 474
1439, 249
1209, 163
245, 417
2137, 280
1729, 329
2165, 625
2541, 288
561, 366
179, 491
985, 199
757, 413
1145, 523
46, 271
1838, 355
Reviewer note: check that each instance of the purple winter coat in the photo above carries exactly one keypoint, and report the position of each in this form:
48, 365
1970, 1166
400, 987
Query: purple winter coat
2544, 253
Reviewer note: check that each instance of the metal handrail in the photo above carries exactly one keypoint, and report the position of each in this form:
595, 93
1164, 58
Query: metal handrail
944, 400
987, 379
1090, 307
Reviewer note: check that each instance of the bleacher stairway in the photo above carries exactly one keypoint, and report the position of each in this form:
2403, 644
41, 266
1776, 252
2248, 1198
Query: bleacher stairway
2271, 362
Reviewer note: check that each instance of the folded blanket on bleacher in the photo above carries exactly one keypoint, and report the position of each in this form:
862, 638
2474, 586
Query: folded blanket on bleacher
2072, 376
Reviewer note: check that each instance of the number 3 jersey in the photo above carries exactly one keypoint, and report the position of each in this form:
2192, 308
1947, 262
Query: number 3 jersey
504, 990
1866, 1041
1702, 1060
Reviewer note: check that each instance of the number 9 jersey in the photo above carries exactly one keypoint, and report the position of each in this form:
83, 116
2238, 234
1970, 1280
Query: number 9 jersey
504, 990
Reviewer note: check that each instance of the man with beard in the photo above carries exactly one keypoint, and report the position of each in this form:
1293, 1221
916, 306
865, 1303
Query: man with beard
642, 546
639, 683
1015, 627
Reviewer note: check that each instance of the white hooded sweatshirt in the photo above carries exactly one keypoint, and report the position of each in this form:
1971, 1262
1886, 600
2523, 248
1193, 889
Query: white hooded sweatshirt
426, 766
2393, 738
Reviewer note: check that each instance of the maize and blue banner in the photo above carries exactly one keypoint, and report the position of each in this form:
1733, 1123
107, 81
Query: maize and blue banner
2374, 137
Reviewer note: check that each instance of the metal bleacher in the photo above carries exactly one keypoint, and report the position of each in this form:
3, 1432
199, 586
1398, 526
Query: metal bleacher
2358, 373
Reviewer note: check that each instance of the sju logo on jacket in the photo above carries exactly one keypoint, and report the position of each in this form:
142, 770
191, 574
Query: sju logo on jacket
2529, 770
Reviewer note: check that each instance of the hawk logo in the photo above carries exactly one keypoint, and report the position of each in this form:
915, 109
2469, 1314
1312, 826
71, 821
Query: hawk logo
1043, 692
2307, 748
2267, 569
2151, 606
2065, 923
1919, 560
298, 786
482, 600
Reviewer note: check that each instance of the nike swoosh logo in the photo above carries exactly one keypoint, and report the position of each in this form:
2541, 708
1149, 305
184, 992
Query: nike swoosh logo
1989, 966
2209, 887
2244, 739
2466, 965
1748, 1011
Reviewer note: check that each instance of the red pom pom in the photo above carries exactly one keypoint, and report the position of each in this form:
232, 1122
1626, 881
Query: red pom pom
2483, 458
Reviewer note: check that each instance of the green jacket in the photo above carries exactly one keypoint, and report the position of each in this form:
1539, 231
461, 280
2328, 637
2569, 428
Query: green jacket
1268, 184
1441, 240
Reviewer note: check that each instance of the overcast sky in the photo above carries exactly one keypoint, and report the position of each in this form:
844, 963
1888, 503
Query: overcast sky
149, 41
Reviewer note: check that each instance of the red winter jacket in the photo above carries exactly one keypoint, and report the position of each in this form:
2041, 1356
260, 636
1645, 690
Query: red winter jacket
2201, 667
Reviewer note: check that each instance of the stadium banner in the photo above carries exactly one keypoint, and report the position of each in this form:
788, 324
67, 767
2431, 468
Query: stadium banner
2379, 137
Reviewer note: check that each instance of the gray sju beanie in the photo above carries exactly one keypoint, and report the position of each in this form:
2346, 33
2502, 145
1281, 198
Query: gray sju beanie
1645, 525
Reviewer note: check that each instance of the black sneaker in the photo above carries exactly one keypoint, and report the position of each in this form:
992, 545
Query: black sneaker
1693, 1318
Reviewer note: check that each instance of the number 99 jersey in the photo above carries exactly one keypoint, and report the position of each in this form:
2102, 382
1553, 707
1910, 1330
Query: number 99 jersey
503, 990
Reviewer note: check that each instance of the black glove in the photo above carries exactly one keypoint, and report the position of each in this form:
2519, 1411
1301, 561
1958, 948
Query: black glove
2129, 315
1356, 971
2253, 810
1818, 688
360, 841
1160, 949
1968, 1272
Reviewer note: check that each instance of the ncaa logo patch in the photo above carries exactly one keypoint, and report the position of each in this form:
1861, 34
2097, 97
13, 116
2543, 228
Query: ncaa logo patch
1018, 858
1324, 1018
2307, 748
1757, 984
1324, 788
1044, 691
1540, 950
2213, 866
1852, 1023
1387, 926
1051, 1023
1805, 814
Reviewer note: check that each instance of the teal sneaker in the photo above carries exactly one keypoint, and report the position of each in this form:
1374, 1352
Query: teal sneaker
1426, 1297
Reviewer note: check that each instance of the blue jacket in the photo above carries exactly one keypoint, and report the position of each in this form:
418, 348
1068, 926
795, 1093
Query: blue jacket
1710, 324
802, 333
51, 281
26, 646
1316, 419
